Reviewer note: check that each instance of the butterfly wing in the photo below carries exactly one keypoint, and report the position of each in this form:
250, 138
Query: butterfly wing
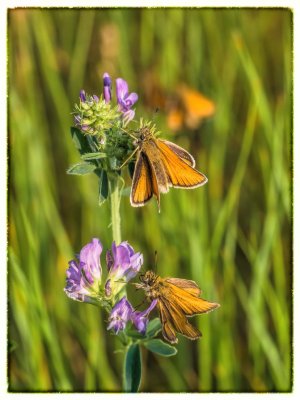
142, 188
181, 175
168, 330
174, 320
182, 153
188, 303
196, 106
189, 286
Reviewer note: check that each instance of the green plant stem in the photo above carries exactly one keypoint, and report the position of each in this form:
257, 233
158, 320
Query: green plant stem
115, 198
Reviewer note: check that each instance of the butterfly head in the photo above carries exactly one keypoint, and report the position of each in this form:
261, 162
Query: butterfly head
147, 281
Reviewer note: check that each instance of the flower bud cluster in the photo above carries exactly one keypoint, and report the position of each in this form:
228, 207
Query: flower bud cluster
93, 116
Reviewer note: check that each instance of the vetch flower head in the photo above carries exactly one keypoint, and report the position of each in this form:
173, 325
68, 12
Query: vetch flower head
94, 116
106, 87
125, 99
84, 275
120, 315
140, 318
123, 264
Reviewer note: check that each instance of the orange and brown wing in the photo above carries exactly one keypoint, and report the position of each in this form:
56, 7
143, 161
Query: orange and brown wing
168, 330
182, 153
189, 303
176, 322
142, 188
181, 175
187, 285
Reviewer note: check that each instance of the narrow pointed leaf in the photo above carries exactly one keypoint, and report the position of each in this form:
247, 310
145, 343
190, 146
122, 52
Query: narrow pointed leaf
80, 140
159, 347
132, 369
81, 168
93, 156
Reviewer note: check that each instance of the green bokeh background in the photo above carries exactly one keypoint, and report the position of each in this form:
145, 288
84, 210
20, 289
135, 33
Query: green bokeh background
232, 236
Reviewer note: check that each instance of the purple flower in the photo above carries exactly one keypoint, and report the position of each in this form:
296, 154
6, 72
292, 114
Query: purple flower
90, 260
82, 95
106, 87
123, 264
123, 312
140, 318
84, 276
120, 315
122, 261
75, 285
125, 100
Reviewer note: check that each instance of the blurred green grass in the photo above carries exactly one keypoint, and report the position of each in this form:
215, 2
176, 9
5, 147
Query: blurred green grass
233, 236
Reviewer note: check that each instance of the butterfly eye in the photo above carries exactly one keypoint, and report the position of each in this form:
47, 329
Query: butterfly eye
141, 278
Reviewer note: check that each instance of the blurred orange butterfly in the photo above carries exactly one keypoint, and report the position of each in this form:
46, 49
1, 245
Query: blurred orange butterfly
189, 110
186, 107
177, 299
161, 164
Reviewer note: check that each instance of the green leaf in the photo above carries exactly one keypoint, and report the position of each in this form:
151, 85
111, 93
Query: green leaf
80, 140
93, 156
132, 369
159, 347
81, 168
134, 334
103, 187
153, 328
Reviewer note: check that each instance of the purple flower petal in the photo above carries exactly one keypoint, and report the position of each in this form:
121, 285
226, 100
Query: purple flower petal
82, 95
122, 256
131, 99
123, 262
84, 276
75, 285
120, 315
140, 318
90, 260
106, 87
74, 277
125, 100
122, 89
